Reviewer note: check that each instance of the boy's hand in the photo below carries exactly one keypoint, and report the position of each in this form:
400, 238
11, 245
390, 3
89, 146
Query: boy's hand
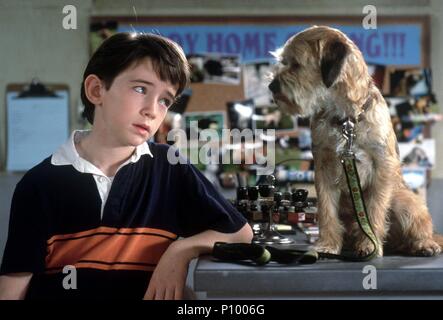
169, 277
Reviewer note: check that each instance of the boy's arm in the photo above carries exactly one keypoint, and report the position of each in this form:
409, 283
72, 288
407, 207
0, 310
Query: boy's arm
168, 279
14, 286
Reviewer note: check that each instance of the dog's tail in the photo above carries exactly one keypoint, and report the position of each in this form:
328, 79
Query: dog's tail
439, 239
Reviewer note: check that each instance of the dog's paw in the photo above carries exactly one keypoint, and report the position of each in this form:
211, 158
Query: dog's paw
364, 246
326, 248
426, 247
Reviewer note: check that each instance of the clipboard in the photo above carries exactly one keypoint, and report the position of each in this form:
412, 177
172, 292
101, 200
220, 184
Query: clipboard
37, 123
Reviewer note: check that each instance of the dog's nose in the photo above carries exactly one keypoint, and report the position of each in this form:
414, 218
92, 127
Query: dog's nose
274, 86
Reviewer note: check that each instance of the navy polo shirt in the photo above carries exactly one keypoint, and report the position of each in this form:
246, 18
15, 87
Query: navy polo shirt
56, 222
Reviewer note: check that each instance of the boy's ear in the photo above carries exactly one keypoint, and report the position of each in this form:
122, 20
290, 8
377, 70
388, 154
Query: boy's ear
93, 89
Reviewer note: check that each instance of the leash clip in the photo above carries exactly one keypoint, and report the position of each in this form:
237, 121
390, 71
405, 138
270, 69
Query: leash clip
348, 133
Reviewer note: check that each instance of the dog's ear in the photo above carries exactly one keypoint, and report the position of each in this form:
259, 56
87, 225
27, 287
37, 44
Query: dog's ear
334, 54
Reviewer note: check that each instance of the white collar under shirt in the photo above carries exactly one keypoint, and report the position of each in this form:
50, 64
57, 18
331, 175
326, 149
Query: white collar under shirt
67, 154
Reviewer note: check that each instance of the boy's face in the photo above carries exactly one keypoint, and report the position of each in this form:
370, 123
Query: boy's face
136, 104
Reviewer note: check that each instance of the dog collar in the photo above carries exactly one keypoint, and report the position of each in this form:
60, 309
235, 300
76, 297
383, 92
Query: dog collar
337, 121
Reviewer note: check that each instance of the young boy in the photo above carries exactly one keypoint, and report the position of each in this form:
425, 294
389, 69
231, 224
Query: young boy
110, 204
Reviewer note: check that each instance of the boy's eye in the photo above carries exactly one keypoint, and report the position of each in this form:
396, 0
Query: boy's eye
139, 89
166, 102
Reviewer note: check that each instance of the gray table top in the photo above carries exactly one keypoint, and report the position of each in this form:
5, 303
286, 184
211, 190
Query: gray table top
388, 276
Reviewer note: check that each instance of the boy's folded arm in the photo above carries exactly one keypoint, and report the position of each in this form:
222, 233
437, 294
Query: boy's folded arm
13, 286
202, 243
169, 277
186, 249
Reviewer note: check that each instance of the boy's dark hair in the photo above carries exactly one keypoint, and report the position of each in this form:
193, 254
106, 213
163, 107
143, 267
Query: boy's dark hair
121, 50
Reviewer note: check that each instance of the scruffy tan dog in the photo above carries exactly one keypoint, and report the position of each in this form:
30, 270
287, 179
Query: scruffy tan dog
322, 74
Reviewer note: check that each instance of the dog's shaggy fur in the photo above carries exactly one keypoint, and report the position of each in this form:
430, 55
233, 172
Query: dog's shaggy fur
322, 74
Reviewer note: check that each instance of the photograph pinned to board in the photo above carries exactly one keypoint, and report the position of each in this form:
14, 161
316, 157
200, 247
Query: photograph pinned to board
37, 124
410, 115
195, 122
99, 31
215, 68
272, 117
240, 114
415, 82
416, 179
256, 78
418, 154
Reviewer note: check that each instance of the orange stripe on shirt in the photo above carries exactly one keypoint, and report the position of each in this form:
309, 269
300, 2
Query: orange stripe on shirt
128, 249
110, 230
105, 267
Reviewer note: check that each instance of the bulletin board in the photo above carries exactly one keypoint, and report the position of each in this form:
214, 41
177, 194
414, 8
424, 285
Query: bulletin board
394, 42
